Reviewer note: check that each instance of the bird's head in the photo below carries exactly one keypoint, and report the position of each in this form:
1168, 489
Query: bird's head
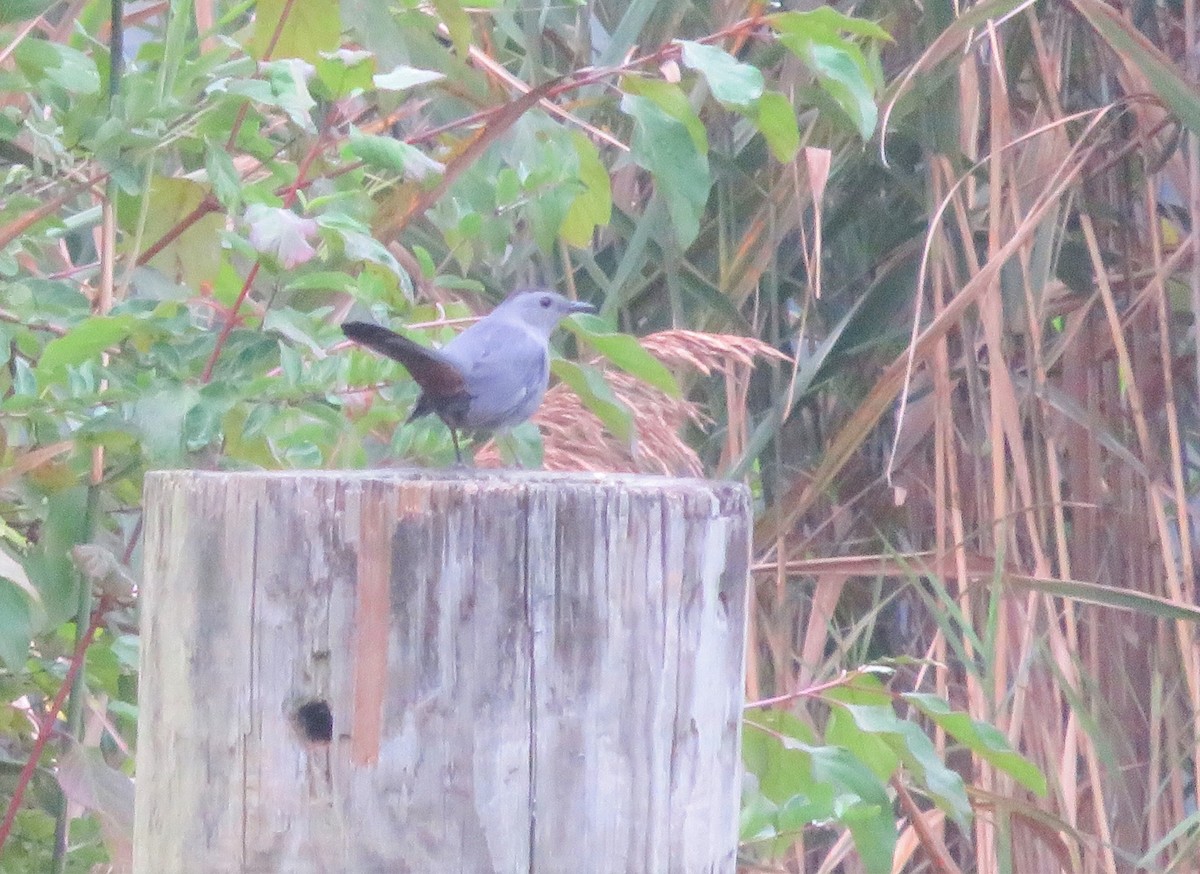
541, 310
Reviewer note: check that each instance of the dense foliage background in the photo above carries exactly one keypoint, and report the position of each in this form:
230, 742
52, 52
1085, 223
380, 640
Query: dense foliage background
924, 275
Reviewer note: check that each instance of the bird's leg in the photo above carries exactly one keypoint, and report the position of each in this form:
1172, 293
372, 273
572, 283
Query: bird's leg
457, 451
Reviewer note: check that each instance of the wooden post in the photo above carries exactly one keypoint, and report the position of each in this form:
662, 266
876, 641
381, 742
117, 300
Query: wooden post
402, 671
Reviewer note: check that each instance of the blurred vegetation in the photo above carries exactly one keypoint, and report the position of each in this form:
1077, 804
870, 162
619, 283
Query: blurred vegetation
924, 275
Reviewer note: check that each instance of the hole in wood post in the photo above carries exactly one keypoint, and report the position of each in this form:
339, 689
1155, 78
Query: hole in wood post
315, 721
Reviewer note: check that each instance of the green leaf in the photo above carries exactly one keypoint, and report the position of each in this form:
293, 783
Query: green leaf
358, 244
289, 90
522, 446
838, 63
457, 22
588, 383
663, 145
82, 343
345, 72
869, 818
311, 27
388, 153
824, 23
730, 81
22, 10
869, 704
592, 207
222, 175
10, 568
624, 351
812, 783
842, 730
64, 525
757, 819
917, 752
775, 118
66, 67
983, 739
670, 98
88, 780
16, 626
401, 78
159, 417
842, 78
195, 255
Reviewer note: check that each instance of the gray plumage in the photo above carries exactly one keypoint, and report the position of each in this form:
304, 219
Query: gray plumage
490, 377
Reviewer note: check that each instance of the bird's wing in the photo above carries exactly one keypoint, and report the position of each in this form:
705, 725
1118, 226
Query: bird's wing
506, 368
436, 373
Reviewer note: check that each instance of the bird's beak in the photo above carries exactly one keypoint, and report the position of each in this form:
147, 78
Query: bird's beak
581, 307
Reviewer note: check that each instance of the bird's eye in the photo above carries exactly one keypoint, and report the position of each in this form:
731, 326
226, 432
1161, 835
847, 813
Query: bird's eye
545, 302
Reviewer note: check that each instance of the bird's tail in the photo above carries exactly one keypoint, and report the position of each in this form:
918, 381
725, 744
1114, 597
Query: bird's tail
437, 375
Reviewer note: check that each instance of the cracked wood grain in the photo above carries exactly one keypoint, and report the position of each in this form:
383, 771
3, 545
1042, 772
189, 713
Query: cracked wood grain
403, 671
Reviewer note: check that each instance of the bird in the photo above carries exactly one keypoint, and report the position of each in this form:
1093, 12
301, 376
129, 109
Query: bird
492, 376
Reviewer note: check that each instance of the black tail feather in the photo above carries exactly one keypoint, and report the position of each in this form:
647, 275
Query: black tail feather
432, 371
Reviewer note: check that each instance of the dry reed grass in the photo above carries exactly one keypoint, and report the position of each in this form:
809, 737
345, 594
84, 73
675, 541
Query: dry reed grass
574, 438
1058, 443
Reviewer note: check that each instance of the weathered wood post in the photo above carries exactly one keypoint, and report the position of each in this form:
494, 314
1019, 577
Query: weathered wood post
401, 671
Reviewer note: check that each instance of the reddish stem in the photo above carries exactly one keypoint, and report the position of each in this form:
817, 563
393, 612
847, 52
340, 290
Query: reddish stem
289, 197
46, 724
806, 692
230, 321
207, 205
270, 49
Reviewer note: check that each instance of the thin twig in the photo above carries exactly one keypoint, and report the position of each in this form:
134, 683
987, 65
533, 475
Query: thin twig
46, 723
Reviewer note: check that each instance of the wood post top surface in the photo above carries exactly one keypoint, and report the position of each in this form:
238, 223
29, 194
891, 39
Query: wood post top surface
466, 476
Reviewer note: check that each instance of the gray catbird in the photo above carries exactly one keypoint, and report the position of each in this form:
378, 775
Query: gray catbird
491, 376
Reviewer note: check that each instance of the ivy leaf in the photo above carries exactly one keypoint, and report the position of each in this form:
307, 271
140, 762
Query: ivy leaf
281, 234
730, 81
663, 145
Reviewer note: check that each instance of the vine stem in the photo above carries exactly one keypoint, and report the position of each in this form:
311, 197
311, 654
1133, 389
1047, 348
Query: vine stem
46, 723
289, 197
